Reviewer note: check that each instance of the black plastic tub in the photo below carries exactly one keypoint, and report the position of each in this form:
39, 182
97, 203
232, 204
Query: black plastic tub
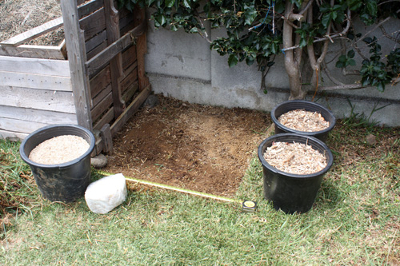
307, 106
60, 182
291, 192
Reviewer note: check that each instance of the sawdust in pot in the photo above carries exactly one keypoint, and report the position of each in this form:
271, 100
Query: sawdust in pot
59, 150
303, 120
295, 158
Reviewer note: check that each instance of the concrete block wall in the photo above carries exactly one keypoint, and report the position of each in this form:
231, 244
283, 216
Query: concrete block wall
182, 66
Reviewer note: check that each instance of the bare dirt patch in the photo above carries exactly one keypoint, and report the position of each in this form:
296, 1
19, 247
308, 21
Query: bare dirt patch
197, 147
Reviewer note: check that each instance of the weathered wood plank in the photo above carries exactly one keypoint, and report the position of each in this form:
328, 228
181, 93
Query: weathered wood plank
105, 119
130, 110
96, 41
34, 115
74, 38
96, 50
33, 51
34, 66
112, 27
34, 33
100, 96
129, 57
13, 136
141, 48
132, 89
105, 134
37, 99
100, 81
129, 80
93, 24
39, 82
89, 7
21, 126
101, 107
101, 59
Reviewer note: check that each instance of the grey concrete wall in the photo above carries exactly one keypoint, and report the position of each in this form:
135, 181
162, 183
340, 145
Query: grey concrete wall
182, 66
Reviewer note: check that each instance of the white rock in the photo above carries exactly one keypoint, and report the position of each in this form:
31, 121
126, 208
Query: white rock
105, 194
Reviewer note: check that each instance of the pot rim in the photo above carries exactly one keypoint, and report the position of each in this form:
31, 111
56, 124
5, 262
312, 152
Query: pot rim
277, 171
305, 133
25, 157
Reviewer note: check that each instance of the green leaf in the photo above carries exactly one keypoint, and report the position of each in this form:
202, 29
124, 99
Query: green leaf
194, 30
351, 62
233, 60
186, 3
169, 3
340, 64
354, 4
372, 7
351, 54
325, 20
380, 86
303, 42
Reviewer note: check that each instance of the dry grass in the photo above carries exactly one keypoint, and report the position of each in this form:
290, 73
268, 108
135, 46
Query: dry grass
18, 16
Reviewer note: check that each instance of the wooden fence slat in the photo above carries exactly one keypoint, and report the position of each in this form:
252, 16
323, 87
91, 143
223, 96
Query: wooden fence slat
130, 110
12, 135
35, 115
101, 59
20, 126
112, 26
101, 107
93, 24
33, 51
141, 48
37, 99
105, 119
89, 7
100, 81
100, 96
75, 42
129, 57
33, 33
34, 66
33, 81
97, 40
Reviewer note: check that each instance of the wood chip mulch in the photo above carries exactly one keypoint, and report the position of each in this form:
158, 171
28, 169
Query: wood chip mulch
302, 120
295, 158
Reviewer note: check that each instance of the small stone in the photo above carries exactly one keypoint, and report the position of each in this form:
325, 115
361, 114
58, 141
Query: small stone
151, 101
371, 139
99, 161
105, 194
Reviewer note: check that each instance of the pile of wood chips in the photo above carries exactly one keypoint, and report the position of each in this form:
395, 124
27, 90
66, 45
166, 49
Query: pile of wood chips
59, 150
302, 120
295, 158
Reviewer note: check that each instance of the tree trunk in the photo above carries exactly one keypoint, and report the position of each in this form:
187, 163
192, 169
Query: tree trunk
292, 62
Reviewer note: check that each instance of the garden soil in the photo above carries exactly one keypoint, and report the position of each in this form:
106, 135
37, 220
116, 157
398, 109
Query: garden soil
196, 147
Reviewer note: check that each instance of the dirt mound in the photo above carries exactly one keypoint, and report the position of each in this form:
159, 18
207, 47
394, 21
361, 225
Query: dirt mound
192, 146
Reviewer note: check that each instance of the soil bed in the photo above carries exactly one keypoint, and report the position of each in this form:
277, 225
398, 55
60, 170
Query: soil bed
191, 146
302, 120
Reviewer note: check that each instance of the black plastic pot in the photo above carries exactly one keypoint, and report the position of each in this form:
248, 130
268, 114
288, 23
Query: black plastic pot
308, 106
290, 192
60, 182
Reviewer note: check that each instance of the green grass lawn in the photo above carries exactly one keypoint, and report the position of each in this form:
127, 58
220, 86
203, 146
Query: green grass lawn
355, 218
